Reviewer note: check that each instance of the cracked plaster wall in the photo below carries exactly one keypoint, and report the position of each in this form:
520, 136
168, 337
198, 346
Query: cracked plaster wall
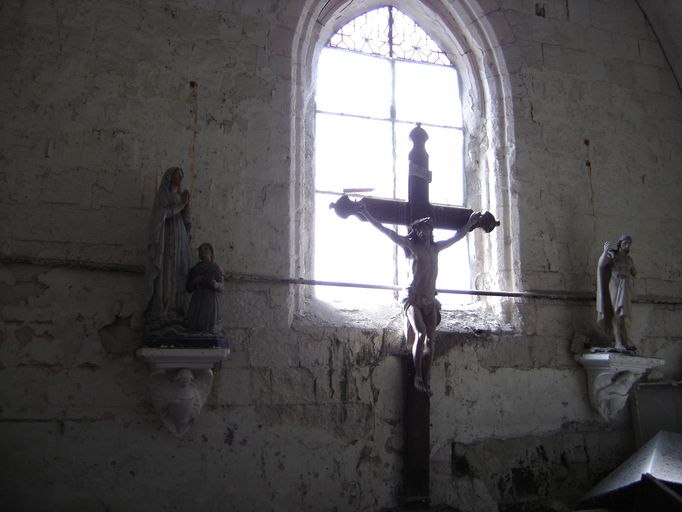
98, 99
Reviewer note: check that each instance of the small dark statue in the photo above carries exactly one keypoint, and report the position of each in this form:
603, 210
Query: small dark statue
205, 283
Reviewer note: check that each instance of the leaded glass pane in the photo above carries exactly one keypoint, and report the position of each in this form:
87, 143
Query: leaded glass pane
368, 33
427, 92
353, 153
353, 83
446, 163
388, 32
410, 42
347, 250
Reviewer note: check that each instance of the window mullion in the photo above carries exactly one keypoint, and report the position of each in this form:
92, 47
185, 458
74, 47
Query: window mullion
394, 141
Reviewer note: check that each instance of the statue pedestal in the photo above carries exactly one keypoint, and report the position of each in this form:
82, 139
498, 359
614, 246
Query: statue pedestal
610, 376
180, 382
186, 340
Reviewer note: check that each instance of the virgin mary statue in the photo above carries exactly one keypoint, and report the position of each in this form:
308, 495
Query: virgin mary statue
168, 253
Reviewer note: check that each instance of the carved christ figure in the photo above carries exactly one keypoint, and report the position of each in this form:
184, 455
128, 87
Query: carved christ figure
421, 307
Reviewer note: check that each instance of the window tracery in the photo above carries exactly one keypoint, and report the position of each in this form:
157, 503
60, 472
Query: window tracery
388, 32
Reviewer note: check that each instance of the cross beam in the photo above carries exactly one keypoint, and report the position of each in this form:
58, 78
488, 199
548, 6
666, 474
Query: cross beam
418, 206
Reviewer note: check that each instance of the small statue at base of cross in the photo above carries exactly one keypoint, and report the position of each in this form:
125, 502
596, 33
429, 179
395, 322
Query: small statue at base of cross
421, 307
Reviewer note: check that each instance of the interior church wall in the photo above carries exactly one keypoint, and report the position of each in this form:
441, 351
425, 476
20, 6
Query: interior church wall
98, 99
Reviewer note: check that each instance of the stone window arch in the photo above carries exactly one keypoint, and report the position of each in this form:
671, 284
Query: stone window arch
468, 40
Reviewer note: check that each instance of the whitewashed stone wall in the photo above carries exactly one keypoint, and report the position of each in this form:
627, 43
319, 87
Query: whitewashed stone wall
98, 99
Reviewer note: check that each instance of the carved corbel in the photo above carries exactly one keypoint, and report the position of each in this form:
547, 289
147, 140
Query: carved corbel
610, 377
180, 382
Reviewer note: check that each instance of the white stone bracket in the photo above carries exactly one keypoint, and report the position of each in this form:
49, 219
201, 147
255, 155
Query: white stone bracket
180, 382
610, 377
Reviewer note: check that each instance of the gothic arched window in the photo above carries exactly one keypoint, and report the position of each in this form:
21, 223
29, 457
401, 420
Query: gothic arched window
377, 77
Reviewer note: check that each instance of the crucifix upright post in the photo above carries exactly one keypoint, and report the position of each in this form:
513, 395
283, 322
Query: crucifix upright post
390, 211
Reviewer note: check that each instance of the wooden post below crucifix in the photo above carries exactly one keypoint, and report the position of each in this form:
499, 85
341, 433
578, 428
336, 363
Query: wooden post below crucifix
422, 309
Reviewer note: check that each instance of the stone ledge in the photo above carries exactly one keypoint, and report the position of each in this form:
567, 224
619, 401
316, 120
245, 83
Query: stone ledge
192, 358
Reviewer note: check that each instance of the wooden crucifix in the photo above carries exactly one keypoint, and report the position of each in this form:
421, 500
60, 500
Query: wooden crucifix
421, 307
